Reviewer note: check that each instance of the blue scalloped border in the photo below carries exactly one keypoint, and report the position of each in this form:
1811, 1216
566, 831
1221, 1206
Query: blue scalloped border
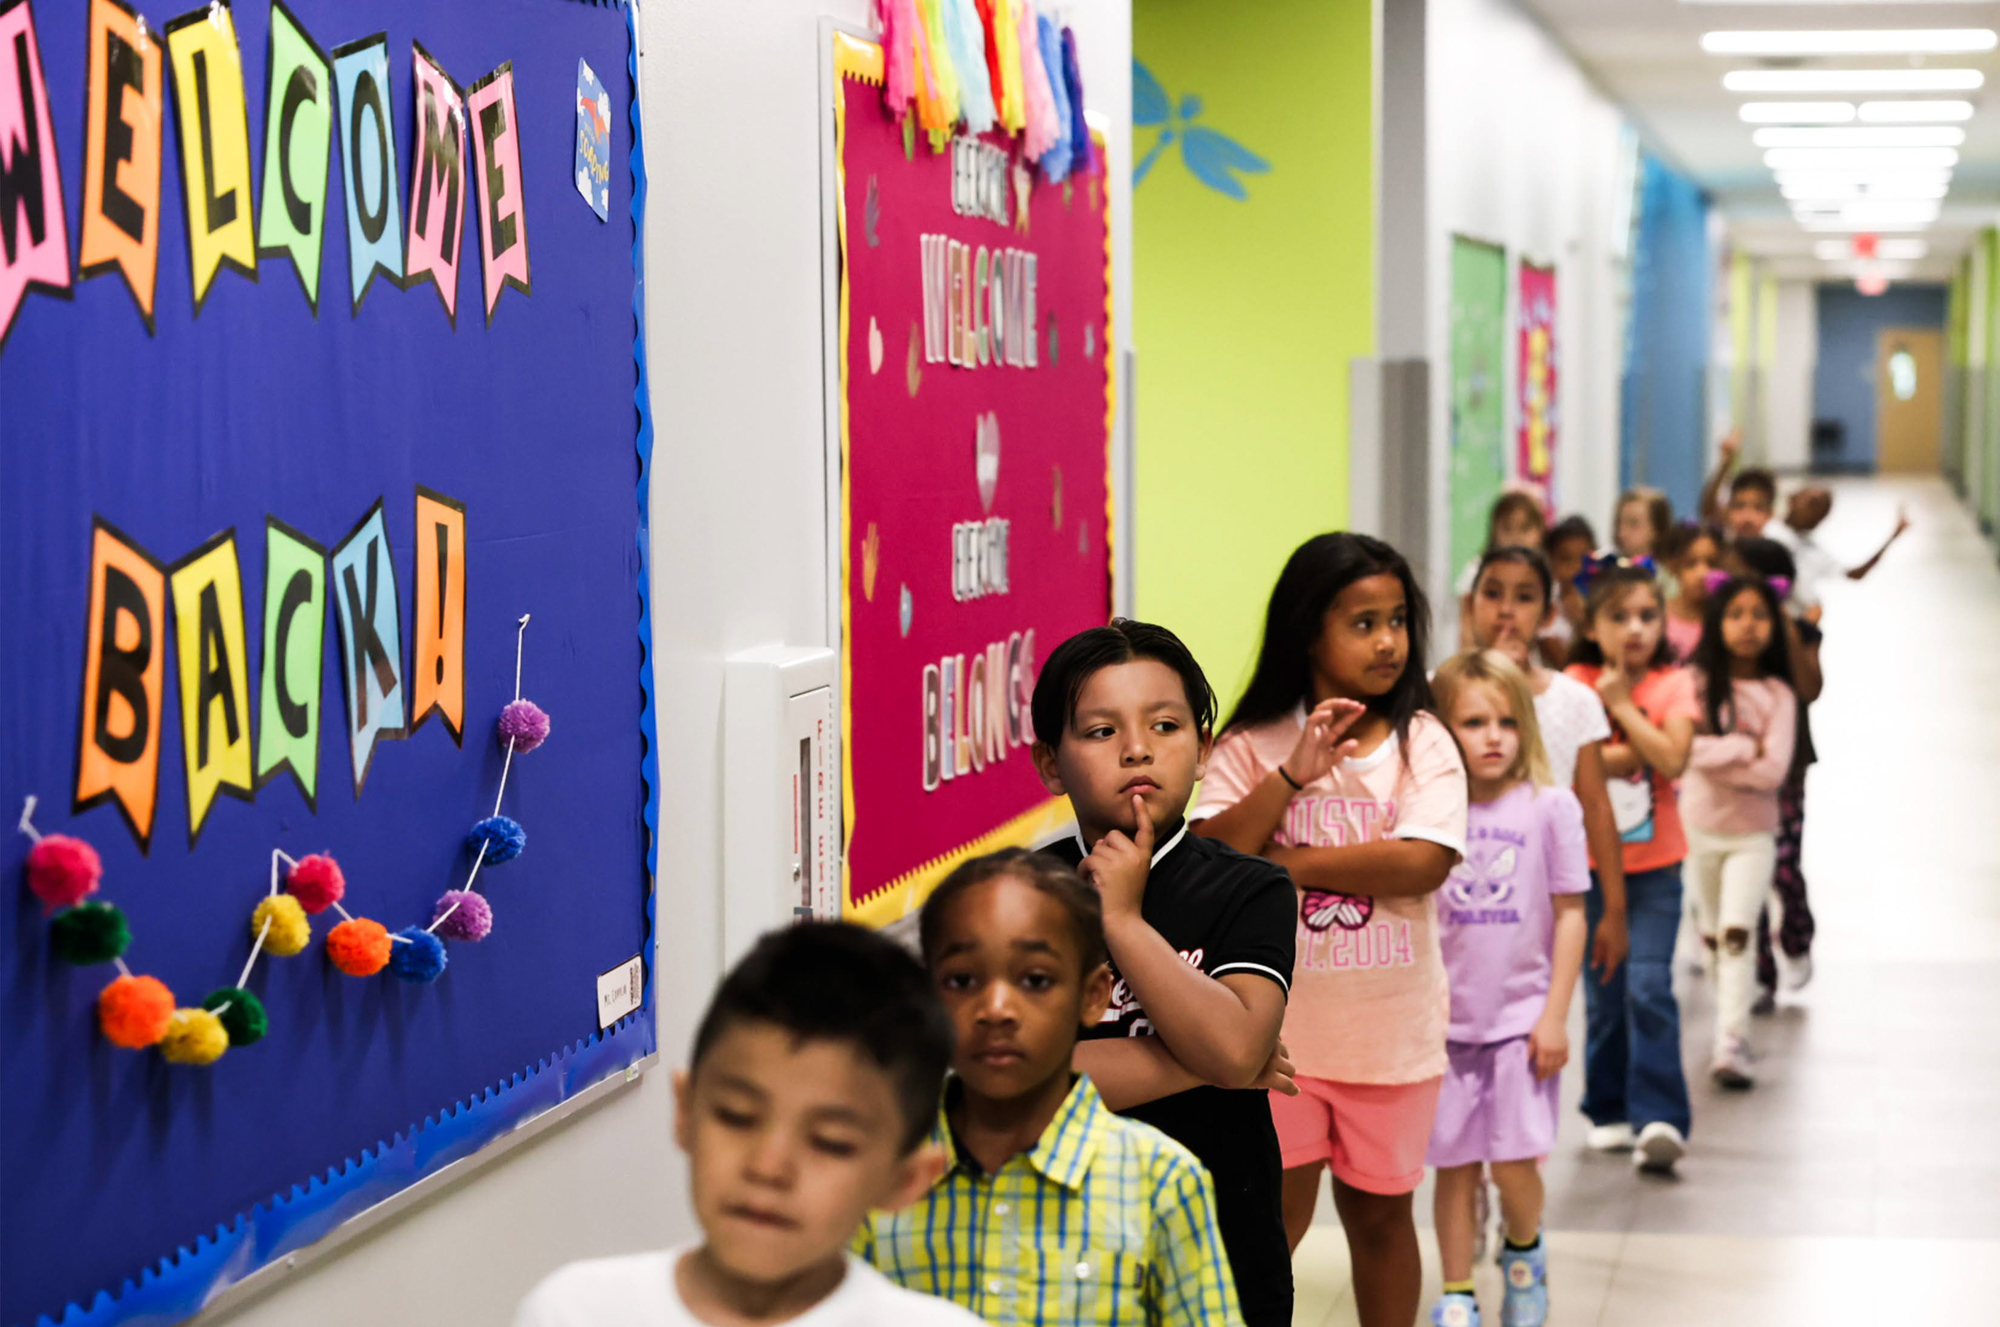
183, 1282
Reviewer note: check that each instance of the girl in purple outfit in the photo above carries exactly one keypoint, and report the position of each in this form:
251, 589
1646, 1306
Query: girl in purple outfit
1511, 925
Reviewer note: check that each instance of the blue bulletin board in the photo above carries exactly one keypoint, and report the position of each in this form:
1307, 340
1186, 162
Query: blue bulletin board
319, 369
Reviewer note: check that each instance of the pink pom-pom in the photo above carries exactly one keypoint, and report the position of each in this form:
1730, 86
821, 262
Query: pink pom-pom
525, 725
316, 882
63, 871
471, 916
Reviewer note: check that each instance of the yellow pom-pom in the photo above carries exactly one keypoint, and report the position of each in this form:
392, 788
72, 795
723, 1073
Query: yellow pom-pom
290, 931
194, 1036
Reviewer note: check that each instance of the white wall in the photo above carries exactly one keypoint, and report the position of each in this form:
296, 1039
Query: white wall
734, 355
1523, 153
1788, 395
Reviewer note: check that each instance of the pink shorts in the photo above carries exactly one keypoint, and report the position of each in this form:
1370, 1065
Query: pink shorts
1373, 1135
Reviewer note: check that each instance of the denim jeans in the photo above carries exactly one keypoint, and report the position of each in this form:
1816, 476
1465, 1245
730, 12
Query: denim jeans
1632, 1047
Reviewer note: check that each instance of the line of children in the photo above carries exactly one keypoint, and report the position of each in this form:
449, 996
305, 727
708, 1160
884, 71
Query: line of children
1123, 1136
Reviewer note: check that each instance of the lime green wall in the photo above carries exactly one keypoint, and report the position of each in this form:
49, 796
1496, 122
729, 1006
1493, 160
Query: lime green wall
1246, 313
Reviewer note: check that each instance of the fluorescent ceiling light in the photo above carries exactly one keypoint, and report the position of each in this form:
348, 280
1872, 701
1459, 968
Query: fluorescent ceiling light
1797, 112
1870, 212
1853, 80
1841, 251
1899, 112
1916, 135
1893, 41
1864, 181
1838, 226
1887, 159
1852, 191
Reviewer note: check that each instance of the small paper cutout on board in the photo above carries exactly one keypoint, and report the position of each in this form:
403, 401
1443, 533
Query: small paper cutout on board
294, 655
298, 147
906, 610
1055, 500
913, 372
124, 681
213, 664
35, 255
437, 182
874, 346
986, 458
1090, 340
123, 114
370, 182
437, 676
496, 159
871, 560
871, 213
593, 141
214, 117
371, 640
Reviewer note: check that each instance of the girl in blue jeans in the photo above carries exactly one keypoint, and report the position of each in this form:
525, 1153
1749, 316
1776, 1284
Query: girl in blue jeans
1634, 1091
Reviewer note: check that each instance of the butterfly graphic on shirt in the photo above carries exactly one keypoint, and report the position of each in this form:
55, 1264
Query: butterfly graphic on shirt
1485, 878
1321, 910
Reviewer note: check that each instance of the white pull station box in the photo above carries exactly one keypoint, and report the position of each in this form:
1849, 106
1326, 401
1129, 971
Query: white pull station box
781, 792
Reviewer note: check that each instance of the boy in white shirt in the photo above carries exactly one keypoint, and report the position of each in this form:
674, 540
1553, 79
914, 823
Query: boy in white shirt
813, 1086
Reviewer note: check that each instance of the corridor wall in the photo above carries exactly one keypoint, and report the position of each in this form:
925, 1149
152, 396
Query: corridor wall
738, 559
1788, 396
1663, 421
1844, 382
1253, 288
1524, 153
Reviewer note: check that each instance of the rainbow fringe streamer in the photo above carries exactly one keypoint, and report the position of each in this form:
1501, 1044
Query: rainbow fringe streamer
982, 64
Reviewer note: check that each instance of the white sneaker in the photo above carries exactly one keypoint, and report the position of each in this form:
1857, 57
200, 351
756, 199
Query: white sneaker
1609, 1137
1731, 1066
1658, 1147
1795, 973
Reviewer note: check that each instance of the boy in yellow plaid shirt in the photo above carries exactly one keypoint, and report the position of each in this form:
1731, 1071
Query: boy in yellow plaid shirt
1051, 1209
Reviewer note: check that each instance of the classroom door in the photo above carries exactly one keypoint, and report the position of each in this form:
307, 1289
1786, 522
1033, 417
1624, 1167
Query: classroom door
1909, 400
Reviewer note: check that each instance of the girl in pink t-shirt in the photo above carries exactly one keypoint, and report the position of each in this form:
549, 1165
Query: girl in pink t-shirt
1634, 1090
1690, 552
1743, 753
1512, 927
1335, 766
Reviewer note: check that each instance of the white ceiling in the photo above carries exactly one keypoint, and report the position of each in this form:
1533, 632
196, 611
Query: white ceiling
1647, 54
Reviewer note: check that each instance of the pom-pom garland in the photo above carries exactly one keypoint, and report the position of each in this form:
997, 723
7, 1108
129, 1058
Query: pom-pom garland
421, 956
316, 882
461, 914
241, 1012
89, 933
359, 947
525, 725
63, 871
133, 1011
290, 931
194, 1036
498, 840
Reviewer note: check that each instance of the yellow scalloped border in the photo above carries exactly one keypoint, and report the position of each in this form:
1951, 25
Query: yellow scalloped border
863, 61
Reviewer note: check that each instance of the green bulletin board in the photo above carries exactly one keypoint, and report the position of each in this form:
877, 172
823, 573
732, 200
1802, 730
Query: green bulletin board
1478, 432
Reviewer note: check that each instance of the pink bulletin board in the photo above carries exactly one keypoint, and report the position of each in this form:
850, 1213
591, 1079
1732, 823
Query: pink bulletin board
1535, 451
975, 412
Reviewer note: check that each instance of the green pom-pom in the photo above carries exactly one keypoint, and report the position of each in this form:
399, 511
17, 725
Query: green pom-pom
245, 1020
89, 933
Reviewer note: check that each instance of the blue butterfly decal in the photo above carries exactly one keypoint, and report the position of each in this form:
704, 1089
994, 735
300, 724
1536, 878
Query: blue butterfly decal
1214, 158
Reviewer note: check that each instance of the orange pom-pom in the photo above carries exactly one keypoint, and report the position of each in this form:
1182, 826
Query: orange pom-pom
134, 1011
360, 947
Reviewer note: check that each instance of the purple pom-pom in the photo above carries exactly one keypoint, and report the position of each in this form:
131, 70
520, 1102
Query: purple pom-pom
525, 725
467, 916
417, 955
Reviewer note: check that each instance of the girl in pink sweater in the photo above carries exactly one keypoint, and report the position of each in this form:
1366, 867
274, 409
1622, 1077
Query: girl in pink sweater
1743, 752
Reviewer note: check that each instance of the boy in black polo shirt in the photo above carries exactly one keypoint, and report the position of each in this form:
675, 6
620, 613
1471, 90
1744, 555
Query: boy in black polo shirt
1200, 935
